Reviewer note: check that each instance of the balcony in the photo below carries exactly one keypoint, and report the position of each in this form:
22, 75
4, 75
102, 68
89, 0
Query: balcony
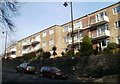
13, 49
13, 56
76, 30
100, 35
100, 21
26, 44
24, 52
78, 40
35, 41
75, 41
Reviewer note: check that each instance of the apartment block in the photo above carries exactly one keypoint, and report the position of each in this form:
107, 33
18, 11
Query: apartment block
102, 26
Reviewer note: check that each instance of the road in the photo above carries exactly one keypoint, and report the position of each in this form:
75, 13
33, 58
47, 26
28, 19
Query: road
10, 75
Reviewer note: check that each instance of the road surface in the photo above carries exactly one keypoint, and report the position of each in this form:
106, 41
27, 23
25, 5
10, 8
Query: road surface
10, 75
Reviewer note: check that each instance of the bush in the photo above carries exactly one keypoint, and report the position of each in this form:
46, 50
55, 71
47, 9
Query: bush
112, 46
29, 56
46, 55
69, 52
86, 47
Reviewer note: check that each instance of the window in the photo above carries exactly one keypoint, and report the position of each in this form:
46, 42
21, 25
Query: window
51, 31
77, 24
44, 34
66, 39
104, 43
117, 24
18, 52
76, 37
80, 35
106, 27
118, 40
51, 41
100, 15
44, 43
116, 10
66, 28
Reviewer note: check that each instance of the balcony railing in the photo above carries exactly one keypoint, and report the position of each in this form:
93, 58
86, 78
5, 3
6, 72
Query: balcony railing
13, 56
25, 44
24, 52
99, 21
13, 50
102, 34
76, 40
36, 40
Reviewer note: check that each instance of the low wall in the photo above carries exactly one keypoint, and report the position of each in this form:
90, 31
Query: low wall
93, 66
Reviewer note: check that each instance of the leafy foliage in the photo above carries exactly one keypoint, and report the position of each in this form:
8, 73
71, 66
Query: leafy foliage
112, 48
8, 9
86, 47
29, 56
46, 55
54, 48
69, 52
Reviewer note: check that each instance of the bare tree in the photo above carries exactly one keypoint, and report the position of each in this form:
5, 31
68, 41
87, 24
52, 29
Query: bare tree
8, 9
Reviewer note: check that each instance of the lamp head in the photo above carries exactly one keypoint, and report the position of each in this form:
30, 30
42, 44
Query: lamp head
65, 4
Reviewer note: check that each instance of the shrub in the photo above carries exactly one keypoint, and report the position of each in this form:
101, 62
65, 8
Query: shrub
29, 56
62, 53
46, 54
86, 47
69, 52
112, 46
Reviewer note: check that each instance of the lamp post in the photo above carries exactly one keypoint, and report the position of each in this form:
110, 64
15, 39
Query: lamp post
72, 35
5, 42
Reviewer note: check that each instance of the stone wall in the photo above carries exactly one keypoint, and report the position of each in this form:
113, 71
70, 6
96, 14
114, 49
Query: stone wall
93, 66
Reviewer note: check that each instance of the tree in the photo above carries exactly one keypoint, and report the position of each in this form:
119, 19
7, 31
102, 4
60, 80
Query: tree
62, 53
7, 10
112, 48
86, 46
54, 50
46, 54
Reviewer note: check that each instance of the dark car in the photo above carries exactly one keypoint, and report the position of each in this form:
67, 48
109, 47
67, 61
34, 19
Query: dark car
25, 67
52, 72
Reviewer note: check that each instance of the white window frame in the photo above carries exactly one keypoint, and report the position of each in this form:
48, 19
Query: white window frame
51, 31
66, 28
117, 39
66, 39
115, 10
117, 24
44, 43
44, 34
51, 42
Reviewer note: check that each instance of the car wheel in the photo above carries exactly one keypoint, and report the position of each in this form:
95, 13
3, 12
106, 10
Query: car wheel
53, 76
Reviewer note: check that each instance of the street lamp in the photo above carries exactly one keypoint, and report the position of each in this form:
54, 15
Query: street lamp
5, 42
72, 34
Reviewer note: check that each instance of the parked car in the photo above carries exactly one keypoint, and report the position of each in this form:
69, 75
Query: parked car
26, 67
52, 72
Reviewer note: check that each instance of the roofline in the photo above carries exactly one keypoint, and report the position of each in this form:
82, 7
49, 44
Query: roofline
70, 21
92, 13
38, 32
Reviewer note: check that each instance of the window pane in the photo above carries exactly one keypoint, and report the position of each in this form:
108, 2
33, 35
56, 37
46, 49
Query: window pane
118, 9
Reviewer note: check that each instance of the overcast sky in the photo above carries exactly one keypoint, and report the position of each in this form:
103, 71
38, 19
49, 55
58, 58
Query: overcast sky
36, 16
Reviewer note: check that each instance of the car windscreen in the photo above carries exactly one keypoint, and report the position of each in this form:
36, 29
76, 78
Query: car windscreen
55, 69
